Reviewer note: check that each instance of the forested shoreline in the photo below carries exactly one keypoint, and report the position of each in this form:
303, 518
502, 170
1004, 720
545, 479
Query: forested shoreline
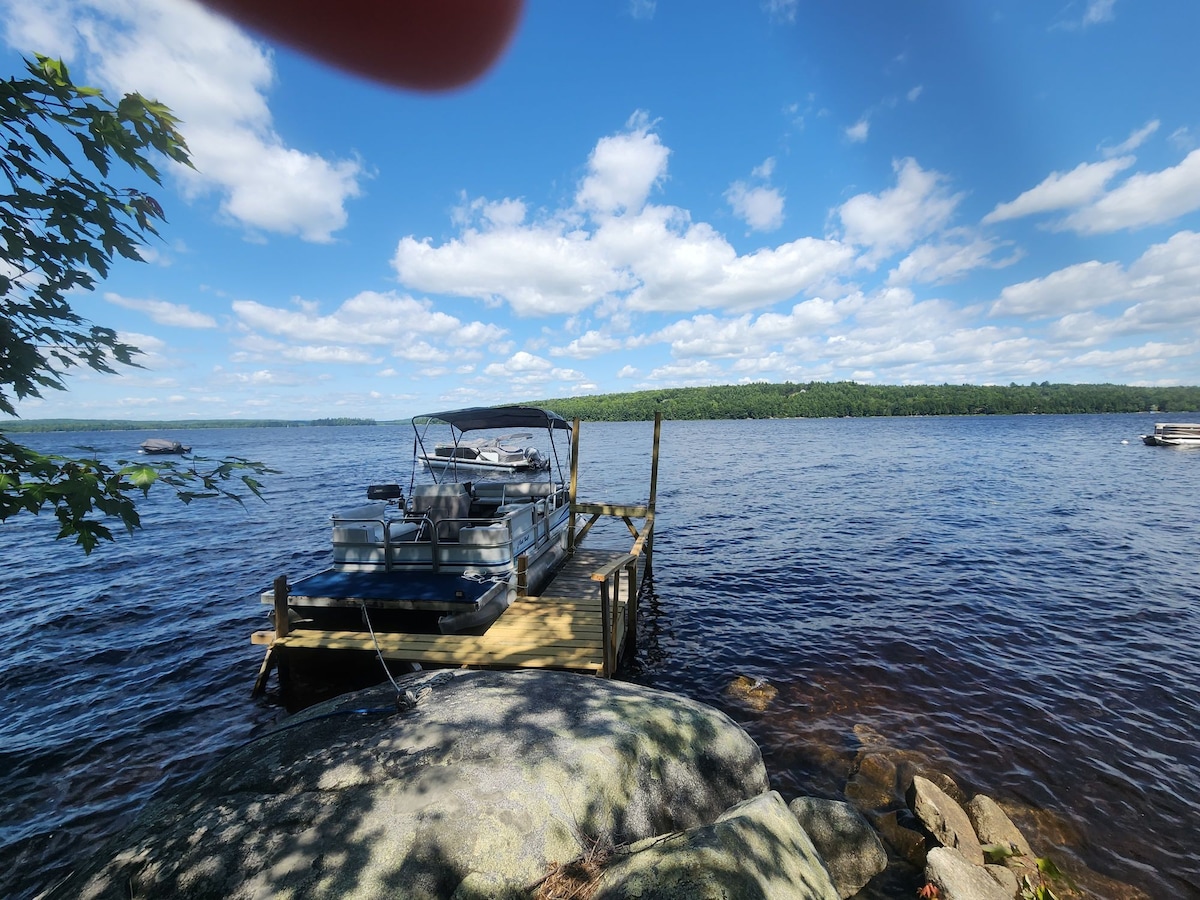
764, 401
848, 398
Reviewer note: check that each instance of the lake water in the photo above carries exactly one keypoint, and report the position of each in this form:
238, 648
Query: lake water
1015, 598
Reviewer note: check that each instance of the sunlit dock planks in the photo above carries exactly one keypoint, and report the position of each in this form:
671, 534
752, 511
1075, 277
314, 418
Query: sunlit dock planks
563, 628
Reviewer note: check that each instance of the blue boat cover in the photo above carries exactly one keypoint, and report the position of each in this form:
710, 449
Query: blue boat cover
405, 586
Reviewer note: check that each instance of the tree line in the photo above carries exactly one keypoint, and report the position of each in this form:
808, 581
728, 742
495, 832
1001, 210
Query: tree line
847, 398
41, 425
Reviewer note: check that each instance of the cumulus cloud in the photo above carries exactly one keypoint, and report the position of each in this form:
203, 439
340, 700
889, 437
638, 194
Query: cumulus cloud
759, 206
215, 79
541, 269
623, 169
1161, 289
586, 346
526, 371
613, 249
895, 219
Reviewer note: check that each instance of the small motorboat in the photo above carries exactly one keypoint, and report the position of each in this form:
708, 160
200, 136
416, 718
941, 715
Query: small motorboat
164, 447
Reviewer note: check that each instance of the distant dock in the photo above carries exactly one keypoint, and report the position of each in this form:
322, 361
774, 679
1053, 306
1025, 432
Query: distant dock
583, 620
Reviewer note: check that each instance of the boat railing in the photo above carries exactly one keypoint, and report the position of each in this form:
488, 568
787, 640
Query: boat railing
375, 538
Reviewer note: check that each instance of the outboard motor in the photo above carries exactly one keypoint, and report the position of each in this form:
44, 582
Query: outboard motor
389, 492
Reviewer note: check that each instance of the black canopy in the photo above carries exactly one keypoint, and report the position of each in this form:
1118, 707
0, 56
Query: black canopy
478, 417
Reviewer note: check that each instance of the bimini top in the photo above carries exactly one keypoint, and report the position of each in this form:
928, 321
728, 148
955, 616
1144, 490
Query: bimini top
478, 417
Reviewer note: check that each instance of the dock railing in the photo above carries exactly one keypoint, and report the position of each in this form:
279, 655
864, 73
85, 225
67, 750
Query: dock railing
641, 553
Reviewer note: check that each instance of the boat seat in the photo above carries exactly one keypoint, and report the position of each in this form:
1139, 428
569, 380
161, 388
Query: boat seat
445, 504
485, 535
403, 531
365, 513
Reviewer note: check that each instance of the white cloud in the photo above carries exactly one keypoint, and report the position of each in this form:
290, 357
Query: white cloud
403, 325
1135, 140
525, 371
949, 259
642, 9
1143, 199
623, 169
539, 270
895, 219
1159, 290
164, 313
1061, 190
1082, 286
1098, 11
759, 206
858, 132
612, 249
781, 10
215, 79
1182, 139
586, 346
710, 336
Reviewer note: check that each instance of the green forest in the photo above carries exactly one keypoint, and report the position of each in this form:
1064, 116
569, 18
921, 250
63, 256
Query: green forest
766, 401
847, 398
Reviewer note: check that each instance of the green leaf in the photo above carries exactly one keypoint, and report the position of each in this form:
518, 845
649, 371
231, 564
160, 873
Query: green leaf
141, 476
1048, 868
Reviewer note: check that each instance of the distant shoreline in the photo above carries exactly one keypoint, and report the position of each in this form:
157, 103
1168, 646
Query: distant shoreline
33, 426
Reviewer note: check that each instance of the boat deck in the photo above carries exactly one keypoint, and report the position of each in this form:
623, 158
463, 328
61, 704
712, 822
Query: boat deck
565, 627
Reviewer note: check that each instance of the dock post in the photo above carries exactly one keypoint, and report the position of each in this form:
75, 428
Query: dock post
281, 630
631, 609
283, 625
574, 484
648, 571
605, 628
281, 608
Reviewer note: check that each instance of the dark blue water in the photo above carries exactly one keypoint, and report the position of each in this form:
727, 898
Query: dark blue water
1013, 598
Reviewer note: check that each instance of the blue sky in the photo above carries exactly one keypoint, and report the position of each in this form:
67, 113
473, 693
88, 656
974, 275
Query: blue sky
647, 194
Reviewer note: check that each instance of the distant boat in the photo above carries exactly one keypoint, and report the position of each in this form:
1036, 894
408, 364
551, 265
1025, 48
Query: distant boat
1174, 434
164, 447
486, 454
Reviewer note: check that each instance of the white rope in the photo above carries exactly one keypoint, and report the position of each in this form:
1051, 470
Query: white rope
379, 650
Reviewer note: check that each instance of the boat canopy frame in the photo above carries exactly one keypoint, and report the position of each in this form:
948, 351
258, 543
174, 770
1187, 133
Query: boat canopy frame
476, 418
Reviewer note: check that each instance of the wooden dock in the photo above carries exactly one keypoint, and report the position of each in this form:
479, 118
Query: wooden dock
583, 620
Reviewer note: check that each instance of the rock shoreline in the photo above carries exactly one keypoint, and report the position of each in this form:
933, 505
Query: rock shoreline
535, 784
